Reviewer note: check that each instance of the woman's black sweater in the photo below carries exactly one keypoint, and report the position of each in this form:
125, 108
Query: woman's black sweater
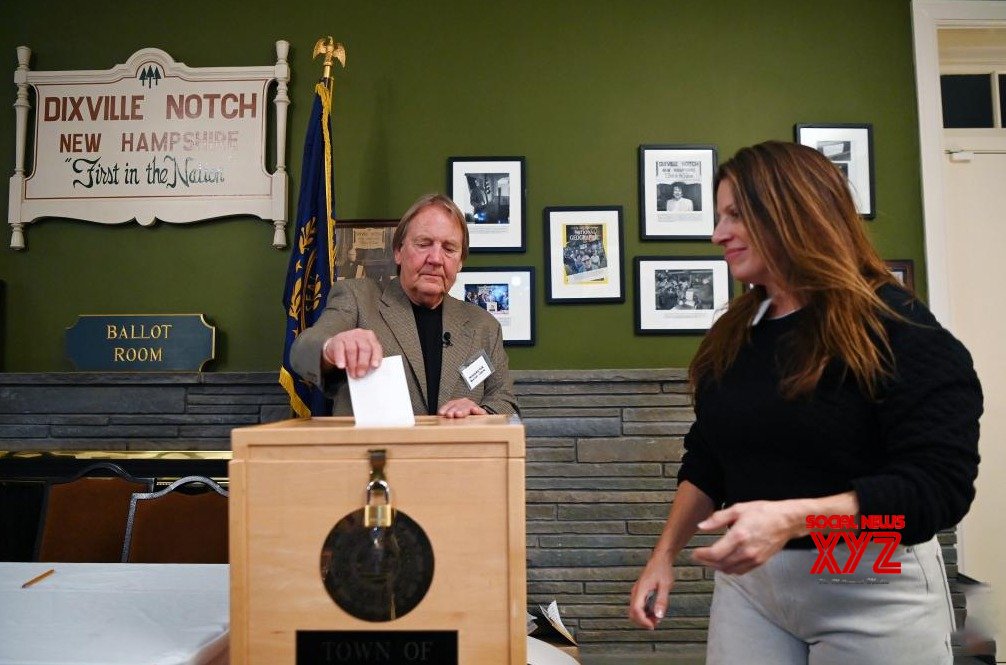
912, 452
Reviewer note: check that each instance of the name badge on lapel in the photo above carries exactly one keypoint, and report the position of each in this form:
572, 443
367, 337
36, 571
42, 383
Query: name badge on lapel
476, 370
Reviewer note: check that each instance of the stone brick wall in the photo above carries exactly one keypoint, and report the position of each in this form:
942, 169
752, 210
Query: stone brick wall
105, 411
603, 450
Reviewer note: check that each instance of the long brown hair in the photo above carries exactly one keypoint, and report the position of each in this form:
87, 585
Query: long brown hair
801, 219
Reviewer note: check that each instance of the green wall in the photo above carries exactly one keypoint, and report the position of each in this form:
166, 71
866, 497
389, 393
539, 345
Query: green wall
575, 87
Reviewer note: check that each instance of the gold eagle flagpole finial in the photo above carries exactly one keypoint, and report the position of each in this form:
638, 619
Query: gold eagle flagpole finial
332, 51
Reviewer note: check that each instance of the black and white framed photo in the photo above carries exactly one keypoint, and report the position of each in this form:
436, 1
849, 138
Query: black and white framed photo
676, 191
363, 248
490, 193
679, 295
850, 148
583, 254
507, 294
903, 271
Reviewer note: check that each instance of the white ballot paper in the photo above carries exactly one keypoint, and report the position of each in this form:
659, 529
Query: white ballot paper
381, 398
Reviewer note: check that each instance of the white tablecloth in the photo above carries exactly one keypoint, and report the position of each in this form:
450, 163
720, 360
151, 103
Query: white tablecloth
111, 614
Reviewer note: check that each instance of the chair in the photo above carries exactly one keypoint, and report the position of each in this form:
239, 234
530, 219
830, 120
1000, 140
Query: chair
186, 522
84, 517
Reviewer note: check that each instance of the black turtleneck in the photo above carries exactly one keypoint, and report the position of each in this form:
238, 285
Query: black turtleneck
430, 326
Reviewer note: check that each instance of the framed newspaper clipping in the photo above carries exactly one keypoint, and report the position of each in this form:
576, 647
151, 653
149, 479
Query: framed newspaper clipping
363, 248
507, 294
676, 191
583, 254
679, 295
490, 193
850, 148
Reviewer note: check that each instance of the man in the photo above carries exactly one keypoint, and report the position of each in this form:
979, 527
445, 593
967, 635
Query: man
438, 336
677, 202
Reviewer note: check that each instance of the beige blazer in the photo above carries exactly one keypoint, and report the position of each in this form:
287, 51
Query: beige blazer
359, 303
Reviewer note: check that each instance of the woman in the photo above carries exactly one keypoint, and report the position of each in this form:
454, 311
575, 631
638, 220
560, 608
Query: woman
677, 202
825, 390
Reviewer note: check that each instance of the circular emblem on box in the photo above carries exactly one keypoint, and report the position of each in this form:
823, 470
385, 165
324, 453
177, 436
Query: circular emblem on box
377, 573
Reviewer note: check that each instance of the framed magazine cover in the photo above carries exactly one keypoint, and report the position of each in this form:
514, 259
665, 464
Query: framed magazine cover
679, 295
583, 255
676, 191
850, 148
363, 248
507, 294
490, 191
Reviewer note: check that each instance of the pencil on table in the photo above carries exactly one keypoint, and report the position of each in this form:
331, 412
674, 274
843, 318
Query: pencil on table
38, 578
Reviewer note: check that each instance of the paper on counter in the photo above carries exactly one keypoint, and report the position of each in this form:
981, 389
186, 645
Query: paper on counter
551, 613
381, 398
542, 653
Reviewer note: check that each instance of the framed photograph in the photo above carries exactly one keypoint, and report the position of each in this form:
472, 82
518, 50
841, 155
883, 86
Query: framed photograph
490, 193
903, 271
676, 191
583, 255
363, 248
507, 294
850, 148
679, 295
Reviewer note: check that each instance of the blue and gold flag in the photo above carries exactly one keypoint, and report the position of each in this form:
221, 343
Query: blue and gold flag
312, 261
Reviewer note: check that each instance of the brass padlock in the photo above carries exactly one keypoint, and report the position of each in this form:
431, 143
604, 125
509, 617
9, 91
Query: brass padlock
378, 515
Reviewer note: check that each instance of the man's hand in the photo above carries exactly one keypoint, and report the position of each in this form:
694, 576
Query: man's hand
460, 408
357, 351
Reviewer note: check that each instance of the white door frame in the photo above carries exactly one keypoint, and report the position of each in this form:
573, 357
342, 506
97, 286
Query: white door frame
928, 16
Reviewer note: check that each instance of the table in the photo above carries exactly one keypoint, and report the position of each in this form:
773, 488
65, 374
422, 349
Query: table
114, 613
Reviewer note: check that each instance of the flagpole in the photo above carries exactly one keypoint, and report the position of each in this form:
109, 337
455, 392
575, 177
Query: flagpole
332, 51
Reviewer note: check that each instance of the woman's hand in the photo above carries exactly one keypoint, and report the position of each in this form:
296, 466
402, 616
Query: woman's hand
690, 506
657, 578
758, 529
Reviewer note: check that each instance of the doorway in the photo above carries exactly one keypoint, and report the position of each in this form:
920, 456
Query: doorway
963, 178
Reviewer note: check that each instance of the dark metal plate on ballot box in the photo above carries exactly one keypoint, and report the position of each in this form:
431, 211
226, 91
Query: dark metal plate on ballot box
377, 574
366, 647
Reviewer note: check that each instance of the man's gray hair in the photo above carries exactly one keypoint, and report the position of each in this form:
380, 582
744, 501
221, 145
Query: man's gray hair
426, 201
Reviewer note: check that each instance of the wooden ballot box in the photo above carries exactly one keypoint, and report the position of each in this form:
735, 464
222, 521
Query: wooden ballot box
301, 559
